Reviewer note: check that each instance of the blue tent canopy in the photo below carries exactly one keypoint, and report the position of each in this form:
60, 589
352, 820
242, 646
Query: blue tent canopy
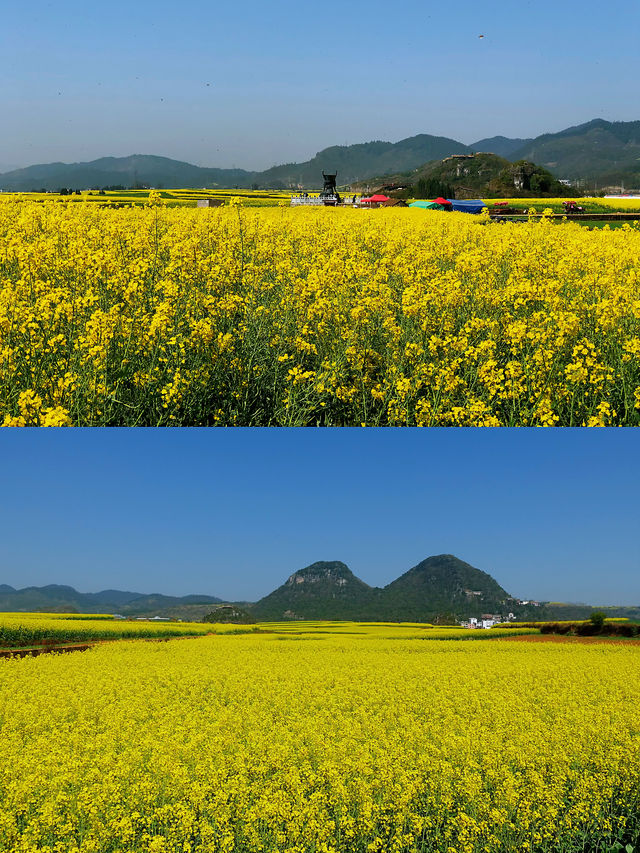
474, 205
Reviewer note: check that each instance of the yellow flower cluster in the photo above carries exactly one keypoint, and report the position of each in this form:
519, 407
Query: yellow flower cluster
277, 316
339, 744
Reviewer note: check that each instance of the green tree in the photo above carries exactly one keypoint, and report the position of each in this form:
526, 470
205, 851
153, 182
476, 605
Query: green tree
432, 188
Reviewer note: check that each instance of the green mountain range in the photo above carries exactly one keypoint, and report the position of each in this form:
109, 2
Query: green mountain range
352, 162
133, 171
442, 588
598, 153
358, 162
65, 599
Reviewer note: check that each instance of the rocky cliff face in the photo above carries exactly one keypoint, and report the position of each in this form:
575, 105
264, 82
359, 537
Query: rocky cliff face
323, 573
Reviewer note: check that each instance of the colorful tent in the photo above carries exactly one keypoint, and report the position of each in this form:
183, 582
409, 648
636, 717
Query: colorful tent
374, 199
427, 205
474, 205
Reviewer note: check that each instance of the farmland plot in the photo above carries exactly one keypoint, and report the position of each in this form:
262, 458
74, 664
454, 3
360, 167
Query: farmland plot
233, 316
310, 743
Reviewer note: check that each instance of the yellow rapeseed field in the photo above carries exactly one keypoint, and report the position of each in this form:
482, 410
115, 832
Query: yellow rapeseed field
21, 630
26, 629
394, 630
336, 744
277, 316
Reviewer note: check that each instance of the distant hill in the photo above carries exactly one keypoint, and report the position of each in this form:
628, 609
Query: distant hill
495, 177
138, 169
65, 599
323, 590
229, 614
599, 152
440, 588
351, 162
443, 585
475, 176
555, 611
437, 587
500, 145
362, 161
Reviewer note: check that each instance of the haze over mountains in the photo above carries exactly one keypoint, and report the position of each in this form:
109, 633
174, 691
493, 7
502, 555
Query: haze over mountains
438, 588
597, 152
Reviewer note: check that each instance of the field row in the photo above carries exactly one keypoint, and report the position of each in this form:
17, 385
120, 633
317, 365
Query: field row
275, 198
21, 630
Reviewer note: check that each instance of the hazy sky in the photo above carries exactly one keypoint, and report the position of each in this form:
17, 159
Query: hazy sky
551, 514
251, 84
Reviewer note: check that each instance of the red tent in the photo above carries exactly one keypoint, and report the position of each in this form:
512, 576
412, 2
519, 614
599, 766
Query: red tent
374, 200
443, 201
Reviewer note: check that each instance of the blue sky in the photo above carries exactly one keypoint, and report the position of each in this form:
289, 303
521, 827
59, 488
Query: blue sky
252, 84
552, 514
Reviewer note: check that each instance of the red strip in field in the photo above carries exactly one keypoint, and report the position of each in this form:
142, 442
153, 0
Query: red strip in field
561, 638
34, 651
41, 650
